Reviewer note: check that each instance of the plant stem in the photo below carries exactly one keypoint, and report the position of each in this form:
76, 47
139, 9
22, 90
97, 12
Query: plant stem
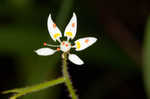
67, 78
22, 91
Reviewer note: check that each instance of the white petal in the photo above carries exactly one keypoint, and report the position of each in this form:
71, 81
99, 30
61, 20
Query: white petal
53, 29
45, 51
83, 43
75, 59
71, 28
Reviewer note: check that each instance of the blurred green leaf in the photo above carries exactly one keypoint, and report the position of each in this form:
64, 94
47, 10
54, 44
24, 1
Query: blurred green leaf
23, 40
146, 59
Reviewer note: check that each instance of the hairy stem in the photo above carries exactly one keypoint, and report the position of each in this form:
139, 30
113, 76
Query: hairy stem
22, 91
67, 78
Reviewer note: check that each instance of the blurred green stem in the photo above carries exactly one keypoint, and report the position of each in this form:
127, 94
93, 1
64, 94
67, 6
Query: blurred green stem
67, 77
146, 58
23, 91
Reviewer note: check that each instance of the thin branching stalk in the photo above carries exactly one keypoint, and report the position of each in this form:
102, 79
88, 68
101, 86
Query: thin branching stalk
23, 91
67, 78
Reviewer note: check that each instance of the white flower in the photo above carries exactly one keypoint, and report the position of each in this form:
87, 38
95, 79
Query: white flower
65, 46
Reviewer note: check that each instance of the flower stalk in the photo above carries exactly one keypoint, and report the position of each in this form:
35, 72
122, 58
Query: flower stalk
22, 91
67, 77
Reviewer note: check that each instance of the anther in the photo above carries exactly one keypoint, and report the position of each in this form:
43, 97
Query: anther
66, 45
58, 49
45, 44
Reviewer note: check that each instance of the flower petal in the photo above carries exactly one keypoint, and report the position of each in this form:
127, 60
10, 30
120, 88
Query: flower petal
53, 29
84, 43
71, 28
75, 59
45, 51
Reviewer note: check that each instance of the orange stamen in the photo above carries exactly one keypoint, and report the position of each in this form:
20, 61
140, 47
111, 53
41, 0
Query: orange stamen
58, 49
44, 43
66, 45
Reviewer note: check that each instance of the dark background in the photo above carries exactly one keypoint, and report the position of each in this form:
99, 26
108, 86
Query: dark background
113, 65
